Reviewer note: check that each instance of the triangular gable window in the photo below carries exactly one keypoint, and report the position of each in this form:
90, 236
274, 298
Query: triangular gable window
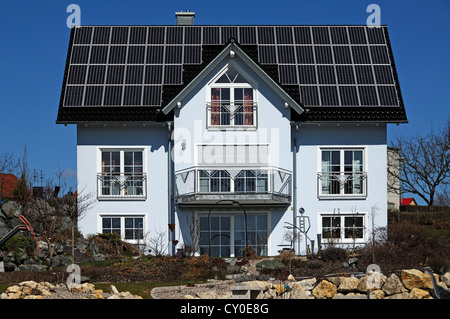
232, 76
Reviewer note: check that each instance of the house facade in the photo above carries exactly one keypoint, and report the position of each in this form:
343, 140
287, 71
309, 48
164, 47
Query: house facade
222, 137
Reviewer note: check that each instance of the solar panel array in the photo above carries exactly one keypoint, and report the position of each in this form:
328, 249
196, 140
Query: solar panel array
129, 65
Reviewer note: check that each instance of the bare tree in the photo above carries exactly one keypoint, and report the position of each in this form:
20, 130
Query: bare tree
194, 231
424, 164
157, 243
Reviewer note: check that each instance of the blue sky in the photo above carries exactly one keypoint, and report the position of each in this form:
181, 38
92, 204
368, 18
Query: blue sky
34, 39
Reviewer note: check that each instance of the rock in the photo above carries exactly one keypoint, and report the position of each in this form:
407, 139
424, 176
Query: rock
348, 284
349, 296
298, 292
446, 278
307, 284
12, 209
324, 290
207, 294
393, 285
403, 295
377, 294
188, 297
114, 290
291, 278
413, 278
417, 293
371, 281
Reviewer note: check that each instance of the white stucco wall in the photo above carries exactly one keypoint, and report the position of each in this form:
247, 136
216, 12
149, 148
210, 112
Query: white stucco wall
370, 137
153, 139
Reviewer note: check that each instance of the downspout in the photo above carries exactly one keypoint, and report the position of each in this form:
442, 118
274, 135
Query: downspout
294, 195
170, 190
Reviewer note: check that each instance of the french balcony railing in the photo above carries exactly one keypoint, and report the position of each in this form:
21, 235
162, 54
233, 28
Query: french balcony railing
342, 184
122, 185
257, 185
226, 113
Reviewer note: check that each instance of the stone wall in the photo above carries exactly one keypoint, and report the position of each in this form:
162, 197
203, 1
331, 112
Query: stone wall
409, 284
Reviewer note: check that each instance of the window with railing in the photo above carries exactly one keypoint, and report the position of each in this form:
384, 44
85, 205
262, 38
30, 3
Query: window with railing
232, 102
342, 173
122, 174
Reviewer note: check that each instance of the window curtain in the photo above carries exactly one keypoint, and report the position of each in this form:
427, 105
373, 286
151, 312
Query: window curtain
248, 106
215, 106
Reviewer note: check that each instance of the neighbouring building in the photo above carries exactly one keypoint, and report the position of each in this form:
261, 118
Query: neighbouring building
217, 136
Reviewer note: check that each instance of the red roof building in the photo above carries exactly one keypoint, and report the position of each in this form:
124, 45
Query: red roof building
408, 201
8, 183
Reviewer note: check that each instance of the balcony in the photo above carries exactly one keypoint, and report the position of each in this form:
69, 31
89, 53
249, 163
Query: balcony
235, 114
344, 185
249, 185
121, 186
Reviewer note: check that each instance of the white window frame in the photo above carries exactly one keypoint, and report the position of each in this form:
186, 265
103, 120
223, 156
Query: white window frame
364, 172
212, 85
342, 239
122, 150
122, 225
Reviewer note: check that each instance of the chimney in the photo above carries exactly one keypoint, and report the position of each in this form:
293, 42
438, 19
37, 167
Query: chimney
185, 18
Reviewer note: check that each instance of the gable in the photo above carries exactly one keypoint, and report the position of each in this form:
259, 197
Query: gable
130, 73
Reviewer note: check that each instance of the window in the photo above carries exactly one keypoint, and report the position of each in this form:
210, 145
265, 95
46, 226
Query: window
128, 227
246, 181
228, 234
121, 174
342, 173
343, 228
232, 102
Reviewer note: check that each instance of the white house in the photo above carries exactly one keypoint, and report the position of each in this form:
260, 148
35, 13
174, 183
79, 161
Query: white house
232, 134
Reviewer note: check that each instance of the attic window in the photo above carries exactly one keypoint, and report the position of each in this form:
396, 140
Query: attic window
232, 101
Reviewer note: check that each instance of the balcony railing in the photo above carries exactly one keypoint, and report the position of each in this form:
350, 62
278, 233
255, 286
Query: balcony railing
247, 183
342, 184
226, 113
122, 185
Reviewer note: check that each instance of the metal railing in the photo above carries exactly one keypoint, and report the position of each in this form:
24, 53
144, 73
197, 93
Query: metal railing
232, 180
121, 185
226, 113
345, 184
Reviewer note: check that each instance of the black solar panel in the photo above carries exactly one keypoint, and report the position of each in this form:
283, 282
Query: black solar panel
129, 65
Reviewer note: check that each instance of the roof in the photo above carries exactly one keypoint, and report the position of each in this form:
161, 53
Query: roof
130, 73
408, 201
8, 183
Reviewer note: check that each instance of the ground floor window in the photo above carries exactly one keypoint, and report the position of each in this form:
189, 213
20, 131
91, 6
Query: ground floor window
225, 234
128, 227
343, 228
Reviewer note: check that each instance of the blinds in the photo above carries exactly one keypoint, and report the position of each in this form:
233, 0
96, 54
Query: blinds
233, 155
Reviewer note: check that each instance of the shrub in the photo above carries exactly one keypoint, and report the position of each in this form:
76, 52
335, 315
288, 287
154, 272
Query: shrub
333, 254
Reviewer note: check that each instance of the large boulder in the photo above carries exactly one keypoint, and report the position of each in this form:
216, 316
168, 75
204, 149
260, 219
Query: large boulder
12, 209
324, 290
348, 284
393, 285
413, 278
